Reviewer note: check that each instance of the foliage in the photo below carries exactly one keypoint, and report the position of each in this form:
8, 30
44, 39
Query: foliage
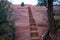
42, 3
6, 28
57, 12
22, 4
57, 22
4, 6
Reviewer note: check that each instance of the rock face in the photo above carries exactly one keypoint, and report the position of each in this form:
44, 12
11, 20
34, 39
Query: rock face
22, 22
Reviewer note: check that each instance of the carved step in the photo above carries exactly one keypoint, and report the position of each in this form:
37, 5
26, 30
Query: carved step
33, 28
34, 34
32, 24
35, 37
30, 15
32, 20
34, 31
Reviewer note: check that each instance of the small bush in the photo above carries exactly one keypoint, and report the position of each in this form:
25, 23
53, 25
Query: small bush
42, 3
7, 30
22, 4
57, 23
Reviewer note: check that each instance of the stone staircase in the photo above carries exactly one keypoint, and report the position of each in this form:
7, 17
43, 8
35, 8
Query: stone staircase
33, 28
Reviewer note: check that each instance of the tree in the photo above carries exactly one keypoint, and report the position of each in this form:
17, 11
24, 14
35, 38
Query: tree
51, 16
6, 27
50, 12
45, 2
3, 10
51, 20
42, 2
58, 1
52, 26
48, 35
22, 4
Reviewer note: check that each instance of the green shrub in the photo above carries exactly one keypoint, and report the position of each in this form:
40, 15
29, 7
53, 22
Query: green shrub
42, 3
7, 30
57, 22
22, 4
